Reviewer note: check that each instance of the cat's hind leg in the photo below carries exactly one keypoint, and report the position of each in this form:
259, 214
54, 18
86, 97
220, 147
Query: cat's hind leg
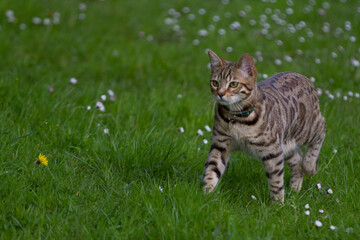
294, 160
312, 155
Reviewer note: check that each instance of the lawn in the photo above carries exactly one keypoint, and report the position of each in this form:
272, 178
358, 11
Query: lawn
120, 167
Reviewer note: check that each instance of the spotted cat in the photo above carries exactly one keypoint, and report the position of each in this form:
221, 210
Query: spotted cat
270, 120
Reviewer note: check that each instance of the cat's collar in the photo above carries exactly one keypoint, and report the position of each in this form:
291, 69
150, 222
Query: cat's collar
243, 114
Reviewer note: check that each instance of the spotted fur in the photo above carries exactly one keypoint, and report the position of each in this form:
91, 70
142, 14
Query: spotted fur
285, 116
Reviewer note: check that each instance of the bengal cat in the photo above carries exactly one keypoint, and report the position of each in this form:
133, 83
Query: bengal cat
270, 120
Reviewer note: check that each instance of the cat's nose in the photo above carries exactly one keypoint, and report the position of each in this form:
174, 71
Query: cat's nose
221, 94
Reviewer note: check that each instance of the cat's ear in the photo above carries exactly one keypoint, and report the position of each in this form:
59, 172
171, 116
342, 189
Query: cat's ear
215, 61
246, 65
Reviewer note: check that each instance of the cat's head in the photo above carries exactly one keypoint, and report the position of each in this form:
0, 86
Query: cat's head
232, 82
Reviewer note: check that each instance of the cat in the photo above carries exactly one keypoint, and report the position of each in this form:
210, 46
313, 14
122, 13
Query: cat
270, 120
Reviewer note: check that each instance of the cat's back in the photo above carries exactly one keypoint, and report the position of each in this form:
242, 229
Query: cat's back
286, 83
292, 99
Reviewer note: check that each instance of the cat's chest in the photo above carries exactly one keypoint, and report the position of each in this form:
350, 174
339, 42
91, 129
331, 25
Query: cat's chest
242, 136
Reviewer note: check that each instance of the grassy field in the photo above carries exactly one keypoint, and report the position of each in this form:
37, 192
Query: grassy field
127, 172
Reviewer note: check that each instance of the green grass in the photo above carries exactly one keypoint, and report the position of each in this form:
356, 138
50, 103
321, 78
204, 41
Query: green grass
107, 185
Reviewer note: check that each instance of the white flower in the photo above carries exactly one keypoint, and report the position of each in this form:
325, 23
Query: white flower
317, 61
318, 186
330, 191
103, 97
265, 75
289, 11
350, 93
73, 81
82, 6
22, 26
203, 32
345, 98
200, 132
229, 49
335, 151
312, 79
202, 11
222, 31
355, 62
36, 20
288, 58
307, 206
334, 54
318, 223
235, 25
352, 39
332, 227
161, 189
82, 16
331, 96
181, 129
196, 42
47, 21
191, 16
253, 197
319, 91
216, 18
111, 94
106, 130
179, 96
205, 141
186, 9
278, 62
207, 128
307, 212
88, 107
321, 210
101, 106
357, 95
9, 13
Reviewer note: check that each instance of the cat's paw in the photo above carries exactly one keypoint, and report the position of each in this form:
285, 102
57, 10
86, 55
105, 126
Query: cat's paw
208, 188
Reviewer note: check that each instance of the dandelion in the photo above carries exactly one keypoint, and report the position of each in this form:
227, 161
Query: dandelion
42, 159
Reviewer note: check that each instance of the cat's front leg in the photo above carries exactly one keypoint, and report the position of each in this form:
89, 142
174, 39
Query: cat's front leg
274, 169
215, 164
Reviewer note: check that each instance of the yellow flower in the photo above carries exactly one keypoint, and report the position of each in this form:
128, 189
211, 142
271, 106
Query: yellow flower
43, 159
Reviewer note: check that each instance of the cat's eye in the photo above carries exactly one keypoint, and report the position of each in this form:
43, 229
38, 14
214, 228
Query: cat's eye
234, 84
215, 83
